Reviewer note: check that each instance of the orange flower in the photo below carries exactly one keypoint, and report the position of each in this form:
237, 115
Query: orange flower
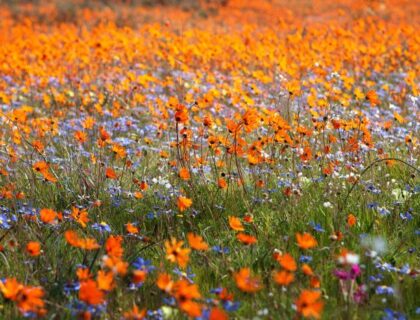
307, 270
225, 295
233, 126
183, 203
33, 248
249, 218
287, 262
119, 151
176, 254
49, 177
221, 183
131, 228
38, 146
74, 240
83, 273
337, 236
315, 282
88, 123
245, 282
306, 241
164, 282
181, 114
43, 168
191, 308
135, 314
139, 276
399, 118
90, 293
104, 135
284, 278
184, 290
196, 242
115, 264
277, 254
372, 97
309, 304
80, 216
40, 166
30, 300
260, 183
113, 246
144, 186
105, 280
236, 224
306, 155
218, 314
80, 136
184, 293
184, 174
88, 244
351, 220
110, 173
4, 172
48, 216
138, 195
10, 288
20, 195
246, 238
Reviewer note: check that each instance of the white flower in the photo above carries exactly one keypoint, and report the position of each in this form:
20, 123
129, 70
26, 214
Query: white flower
305, 181
352, 258
327, 205
400, 195
349, 258
375, 244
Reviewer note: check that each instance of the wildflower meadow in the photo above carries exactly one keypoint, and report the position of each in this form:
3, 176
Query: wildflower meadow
209, 160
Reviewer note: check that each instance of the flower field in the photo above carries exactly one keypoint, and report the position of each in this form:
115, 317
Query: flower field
211, 160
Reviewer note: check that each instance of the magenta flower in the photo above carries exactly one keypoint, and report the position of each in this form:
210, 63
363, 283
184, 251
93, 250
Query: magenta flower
352, 274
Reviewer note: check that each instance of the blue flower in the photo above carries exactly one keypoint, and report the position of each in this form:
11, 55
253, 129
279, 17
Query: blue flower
393, 315
383, 211
372, 205
4, 222
77, 306
216, 291
386, 267
406, 216
305, 259
231, 306
155, 314
101, 227
169, 301
205, 314
219, 249
116, 201
405, 269
71, 287
371, 188
376, 278
187, 275
385, 290
316, 226
142, 264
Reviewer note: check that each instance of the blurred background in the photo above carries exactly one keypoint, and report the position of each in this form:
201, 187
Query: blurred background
134, 12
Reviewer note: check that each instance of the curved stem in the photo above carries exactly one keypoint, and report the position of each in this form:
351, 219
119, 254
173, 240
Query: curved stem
344, 203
